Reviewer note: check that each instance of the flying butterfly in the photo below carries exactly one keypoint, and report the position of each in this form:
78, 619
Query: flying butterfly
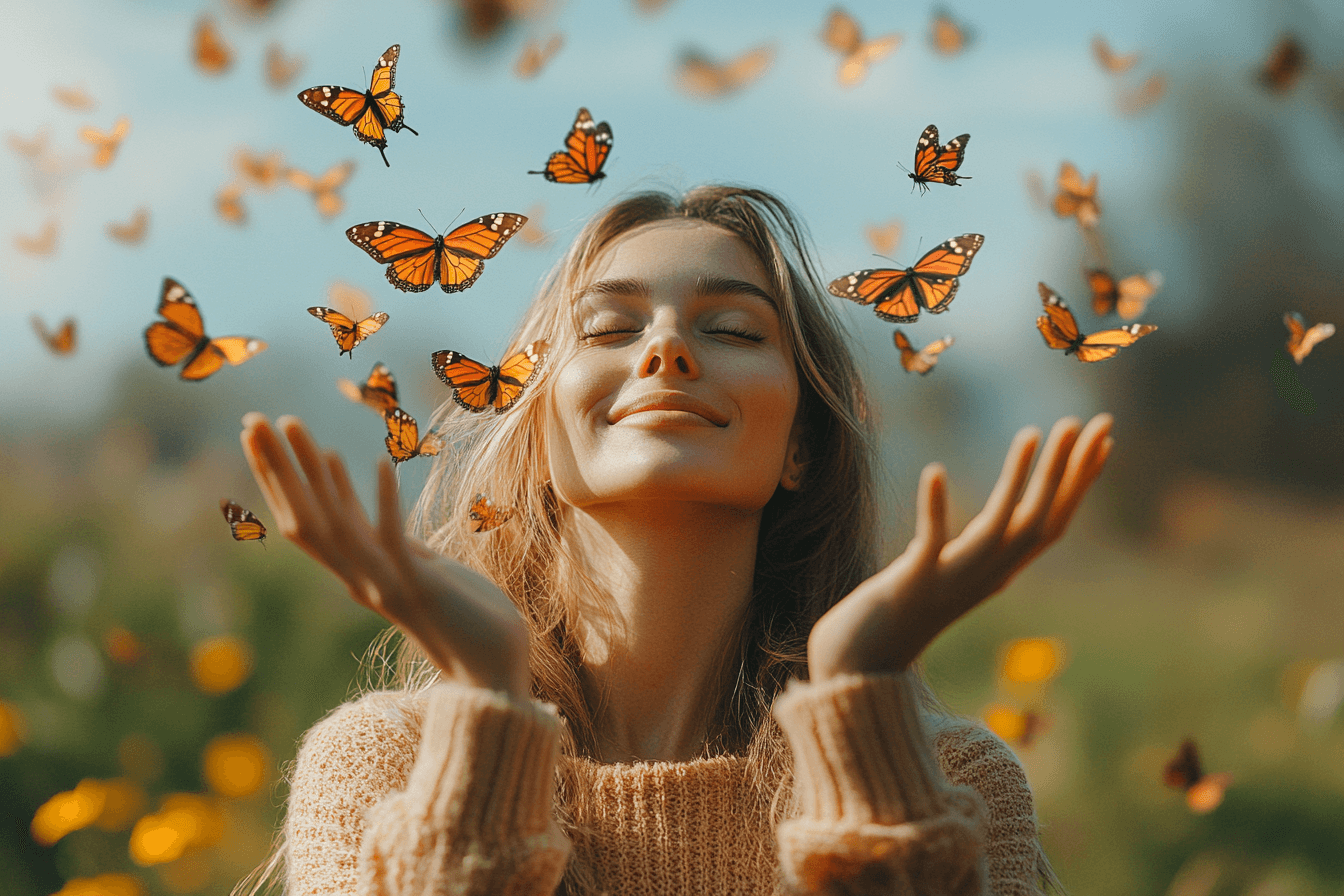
1285, 65
1203, 792
533, 234
1110, 61
1076, 198
76, 98
373, 112
378, 392
700, 76
349, 333
947, 36
1127, 297
258, 171
1143, 97
105, 145
936, 164
485, 516
133, 231
61, 342
281, 69
1060, 330
243, 523
229, 204
920, 360
883, 237
208, 49
535, 55
42, 243
1301, 338
324, 188
403, 438
843, 35
181, 335
930, 283
587, 146
415, 260
479, 388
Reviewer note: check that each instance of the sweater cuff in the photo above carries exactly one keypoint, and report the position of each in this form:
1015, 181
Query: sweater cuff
860, 752
486, 762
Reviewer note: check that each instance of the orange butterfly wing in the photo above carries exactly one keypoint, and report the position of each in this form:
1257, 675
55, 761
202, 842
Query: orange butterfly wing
922, 360
485, 516
1301, 339
226, 349
1105, 291
212, 55
378, 392
181, 334
478, 388
586, 149
403, 437
347, 332
410, 254
1060, 330
891, 289
464, 250
62, 342
243, 523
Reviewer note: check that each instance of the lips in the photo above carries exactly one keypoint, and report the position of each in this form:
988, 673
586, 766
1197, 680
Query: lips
668, 401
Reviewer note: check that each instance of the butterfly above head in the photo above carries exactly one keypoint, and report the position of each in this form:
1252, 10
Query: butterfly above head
416, 260
936, 164
477, 387
929, 284
586, 149
372, 113
181, 335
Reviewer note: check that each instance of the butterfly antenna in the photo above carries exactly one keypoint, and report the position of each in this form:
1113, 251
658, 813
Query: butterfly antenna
427, 221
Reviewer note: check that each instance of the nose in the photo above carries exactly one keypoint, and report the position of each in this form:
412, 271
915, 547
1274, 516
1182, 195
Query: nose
667, 352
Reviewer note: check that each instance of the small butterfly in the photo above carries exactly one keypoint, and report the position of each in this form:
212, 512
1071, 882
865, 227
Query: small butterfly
532, 233
1127, 297
1143, 97
181, 335
947, 36
935, 164
133, 231
479, 388
587, 146
1060, 330
485, 516
43, 243
61, 342
415, 260
1301, 339
281, 69
105, 145
930, 283
535, 55
403, 437
258, 171
323, 189
1203, 792
373, 112
33, 147
1108, 60
1286, 62
1019, 727
378, 392
843, 35
243, 523
700, 76
1075, 198
884, 237
349, 333
229, 204
76, 98
920, 360
209, 51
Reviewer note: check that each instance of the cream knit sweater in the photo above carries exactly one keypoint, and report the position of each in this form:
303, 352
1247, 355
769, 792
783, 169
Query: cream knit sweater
450, 791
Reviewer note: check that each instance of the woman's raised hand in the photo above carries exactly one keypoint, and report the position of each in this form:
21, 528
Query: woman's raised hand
885, 624
465, 624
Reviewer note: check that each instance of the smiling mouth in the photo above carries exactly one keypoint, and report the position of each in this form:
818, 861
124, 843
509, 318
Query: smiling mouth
671, 402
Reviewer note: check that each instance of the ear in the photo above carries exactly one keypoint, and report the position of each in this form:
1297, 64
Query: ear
795, 459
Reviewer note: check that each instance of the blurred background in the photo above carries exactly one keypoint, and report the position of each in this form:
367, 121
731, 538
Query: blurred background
155, 675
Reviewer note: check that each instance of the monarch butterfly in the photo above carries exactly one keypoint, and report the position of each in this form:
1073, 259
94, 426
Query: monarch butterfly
209, 51
323, 189
229, 204
883, 237
485, 516
1143, 97
1076, 199
181, 334
349, 333
535, 55
378, 392
281, 69
1127, 297
261, 172
1060, 330
1284, 66
373, 112
133, 231
403, 438
76, 98
1301, 339
935, 164
1203, 792
478, 388
61, 342
415, 260
698, 75
43, 243
105, 145
947, 36
920, 360
1109, 60
930, 283
586, 149
243, 523
843, 35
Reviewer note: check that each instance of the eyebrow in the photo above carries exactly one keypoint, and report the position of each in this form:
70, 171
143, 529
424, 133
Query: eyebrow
705, 285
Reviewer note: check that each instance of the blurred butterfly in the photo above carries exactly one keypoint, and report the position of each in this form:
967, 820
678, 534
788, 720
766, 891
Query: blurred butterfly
1075, 198
258, 171
323, 189
948, 37
349, 333
935, 164
61, 342
1127, 297
532, 233
229, 204
1185, 772
31, 147
1060, 330
133, 231
843, 35
700, 76
1143, 97
535, 55
76, 98
883, 237
105, 145
479, 388
1301, 339
485, 516
930, 283
920, 360
415, 260
403, 437
378, 392
43, 243
373, 112
281, 69
586, 149
181, 335
1108, 60
1018, 727
209, 51
243, 523
1285, 65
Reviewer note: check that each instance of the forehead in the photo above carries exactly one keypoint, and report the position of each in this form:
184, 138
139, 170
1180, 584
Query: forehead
679, 252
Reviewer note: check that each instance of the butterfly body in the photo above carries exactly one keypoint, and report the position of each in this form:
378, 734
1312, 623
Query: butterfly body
1203, 792
935, 164
403, 438
416, 261
920, 360
243, 523
349, 333
929, 284
180, 336
477, 387
1060, 330
379, 391
372, 113
60, 342
586, 149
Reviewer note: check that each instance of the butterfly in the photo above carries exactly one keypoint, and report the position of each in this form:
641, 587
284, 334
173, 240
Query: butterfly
485, 516
323, 189
1143, 97
258, 171
698, 75
33, 147
1075, 198
533, 233
920, 360
61, 342
43, 243
1301, 339
935, 164
586, 149
843, 35
1185, 772
181, 334
1127, 297
415, 260
1285, 65
373, 112
76, 98
1060, 330
229, 204
349, 333
929, 283
209, 51
535, 55
281, 69
403, 437
133, 231
378, 392
1018, 727
479, 388
243, 523
883, 237
948, 37
1109, 60
105, 145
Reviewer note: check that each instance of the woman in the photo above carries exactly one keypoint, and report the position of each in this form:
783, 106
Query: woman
693, 536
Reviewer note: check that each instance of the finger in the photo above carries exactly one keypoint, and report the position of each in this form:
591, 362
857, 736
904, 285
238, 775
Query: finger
1083, 460
990, 522
389, 512
275, 473
310, 459
345, 491
1076, 486
1031, 511
931, 512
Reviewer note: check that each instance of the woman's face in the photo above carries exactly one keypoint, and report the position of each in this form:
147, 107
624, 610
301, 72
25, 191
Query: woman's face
681, 386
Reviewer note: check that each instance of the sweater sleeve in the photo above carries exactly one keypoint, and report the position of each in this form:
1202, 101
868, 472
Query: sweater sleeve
876, 816
386, 802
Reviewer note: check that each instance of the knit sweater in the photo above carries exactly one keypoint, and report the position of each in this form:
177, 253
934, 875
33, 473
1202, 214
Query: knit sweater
451, 790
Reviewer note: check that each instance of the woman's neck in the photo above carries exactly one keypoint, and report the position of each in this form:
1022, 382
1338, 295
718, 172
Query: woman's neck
676, 581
